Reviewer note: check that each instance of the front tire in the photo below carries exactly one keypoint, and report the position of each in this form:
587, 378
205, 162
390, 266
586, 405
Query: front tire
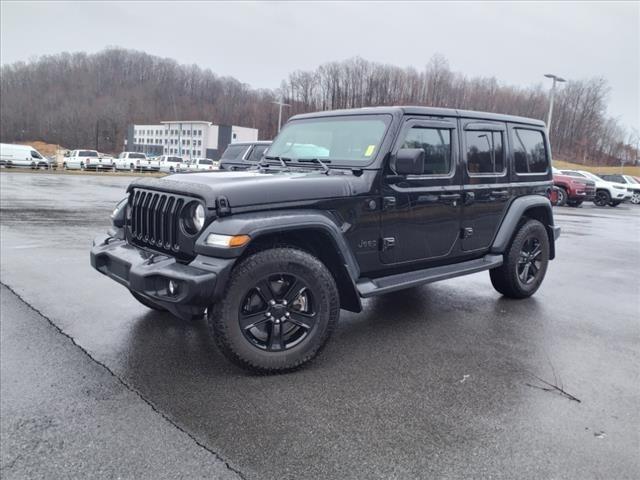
562, 197
603, 198
525, 262
278, 310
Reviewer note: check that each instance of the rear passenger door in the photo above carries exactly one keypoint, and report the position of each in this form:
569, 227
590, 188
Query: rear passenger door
486, 191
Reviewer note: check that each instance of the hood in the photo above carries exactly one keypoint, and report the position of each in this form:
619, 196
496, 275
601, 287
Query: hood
253, 187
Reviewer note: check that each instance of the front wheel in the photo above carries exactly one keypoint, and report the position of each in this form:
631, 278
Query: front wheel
562, 197
279, 308
574, 203
602, 198
525, 262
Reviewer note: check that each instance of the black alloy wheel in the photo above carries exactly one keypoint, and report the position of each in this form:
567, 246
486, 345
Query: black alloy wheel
278, 312
530, 260
602, 198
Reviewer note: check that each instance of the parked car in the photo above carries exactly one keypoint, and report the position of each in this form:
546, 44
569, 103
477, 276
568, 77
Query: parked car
201, 165
243, 155
607, 193
631, 183
572, 190
170, 163
136, 161
404, 196
12, 155
87, 160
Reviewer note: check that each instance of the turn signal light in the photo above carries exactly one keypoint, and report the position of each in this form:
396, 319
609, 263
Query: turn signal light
227, 241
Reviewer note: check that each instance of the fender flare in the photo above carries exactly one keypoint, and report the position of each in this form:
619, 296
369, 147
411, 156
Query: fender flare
259, 224
518, 209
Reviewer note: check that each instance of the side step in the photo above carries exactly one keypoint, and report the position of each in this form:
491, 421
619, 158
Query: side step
377, 286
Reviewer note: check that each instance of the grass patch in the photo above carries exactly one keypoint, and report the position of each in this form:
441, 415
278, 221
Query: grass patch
627, 170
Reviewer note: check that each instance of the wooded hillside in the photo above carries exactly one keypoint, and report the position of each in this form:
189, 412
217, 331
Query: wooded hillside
71, 99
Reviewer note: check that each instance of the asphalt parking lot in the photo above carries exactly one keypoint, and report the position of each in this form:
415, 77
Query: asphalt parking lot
434, 382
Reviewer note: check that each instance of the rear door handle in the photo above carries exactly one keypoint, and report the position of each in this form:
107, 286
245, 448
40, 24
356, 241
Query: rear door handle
450, 196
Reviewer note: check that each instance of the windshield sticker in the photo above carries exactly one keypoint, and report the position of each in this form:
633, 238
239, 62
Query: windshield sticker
369, 150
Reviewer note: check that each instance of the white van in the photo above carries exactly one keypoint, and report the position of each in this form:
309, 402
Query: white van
21, 156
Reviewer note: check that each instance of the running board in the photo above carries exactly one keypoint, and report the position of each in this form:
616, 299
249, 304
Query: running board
377, 286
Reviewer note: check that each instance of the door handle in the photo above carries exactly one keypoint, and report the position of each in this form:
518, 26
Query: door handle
450, 196
500, 193
469, 198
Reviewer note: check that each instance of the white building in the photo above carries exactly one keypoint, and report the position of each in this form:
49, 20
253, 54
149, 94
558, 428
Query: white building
188, 139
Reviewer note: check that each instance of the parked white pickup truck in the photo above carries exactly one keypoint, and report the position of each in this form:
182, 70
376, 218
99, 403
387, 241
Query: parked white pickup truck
171, 163
201, 165
135, 161
87, 160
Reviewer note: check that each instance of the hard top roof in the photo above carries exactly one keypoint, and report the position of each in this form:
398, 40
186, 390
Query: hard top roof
431, 111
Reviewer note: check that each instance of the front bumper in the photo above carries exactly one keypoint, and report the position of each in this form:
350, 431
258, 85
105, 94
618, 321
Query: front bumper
148, 273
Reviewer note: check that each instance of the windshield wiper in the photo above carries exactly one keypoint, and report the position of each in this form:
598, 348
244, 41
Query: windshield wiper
282, 160
318, 161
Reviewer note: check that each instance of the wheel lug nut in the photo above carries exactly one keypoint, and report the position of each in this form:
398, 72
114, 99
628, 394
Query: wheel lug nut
287, 314
268, 314
284, 302
272, 302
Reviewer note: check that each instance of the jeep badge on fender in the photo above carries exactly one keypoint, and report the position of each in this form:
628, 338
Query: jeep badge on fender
267, 252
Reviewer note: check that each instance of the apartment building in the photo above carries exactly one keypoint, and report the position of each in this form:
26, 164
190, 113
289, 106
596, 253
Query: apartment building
188, 139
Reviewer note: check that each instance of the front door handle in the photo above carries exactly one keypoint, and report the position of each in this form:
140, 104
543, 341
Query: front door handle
469, 198
500, 193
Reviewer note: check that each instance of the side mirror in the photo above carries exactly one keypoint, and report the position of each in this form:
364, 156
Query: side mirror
409, 161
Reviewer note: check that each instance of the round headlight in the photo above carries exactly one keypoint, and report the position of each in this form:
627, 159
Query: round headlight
198, 217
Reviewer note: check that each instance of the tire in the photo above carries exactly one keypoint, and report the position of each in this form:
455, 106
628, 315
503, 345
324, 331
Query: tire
132, 168
614, 204
508, 279
603, 198
574, 203
64, 166
562, 197
147, 303
274, 340
82, 167
635, 198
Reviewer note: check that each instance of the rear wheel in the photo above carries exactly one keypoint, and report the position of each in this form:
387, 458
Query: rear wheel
132, 168
147, 303
574, 203
602, 198
562, 197
525, 262
278, 311
635, 198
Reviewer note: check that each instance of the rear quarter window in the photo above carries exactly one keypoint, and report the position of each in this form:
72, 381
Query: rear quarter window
529, 151
234, 152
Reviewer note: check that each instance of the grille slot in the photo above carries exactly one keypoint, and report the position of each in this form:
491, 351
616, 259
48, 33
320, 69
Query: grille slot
155, 220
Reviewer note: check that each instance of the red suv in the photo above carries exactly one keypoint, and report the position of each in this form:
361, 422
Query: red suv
572, 191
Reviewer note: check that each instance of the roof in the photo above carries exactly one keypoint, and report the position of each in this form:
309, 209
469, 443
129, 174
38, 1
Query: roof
255, 142
431, 111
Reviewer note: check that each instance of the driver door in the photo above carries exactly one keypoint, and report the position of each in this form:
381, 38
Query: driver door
421, 214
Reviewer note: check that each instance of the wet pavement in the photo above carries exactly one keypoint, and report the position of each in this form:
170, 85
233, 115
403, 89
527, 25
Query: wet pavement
438, 381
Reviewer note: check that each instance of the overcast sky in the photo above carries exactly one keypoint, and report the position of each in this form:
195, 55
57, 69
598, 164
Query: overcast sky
260, 43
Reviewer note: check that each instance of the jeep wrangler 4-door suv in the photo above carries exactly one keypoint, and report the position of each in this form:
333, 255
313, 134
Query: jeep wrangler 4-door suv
346, 205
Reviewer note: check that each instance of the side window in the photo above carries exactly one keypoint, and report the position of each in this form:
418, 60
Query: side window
485, 153
529, 151
256, 153
436, 143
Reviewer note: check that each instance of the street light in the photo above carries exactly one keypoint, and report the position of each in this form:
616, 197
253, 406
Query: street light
553, 91
280, 104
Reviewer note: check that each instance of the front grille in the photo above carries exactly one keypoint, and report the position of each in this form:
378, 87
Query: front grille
155, 220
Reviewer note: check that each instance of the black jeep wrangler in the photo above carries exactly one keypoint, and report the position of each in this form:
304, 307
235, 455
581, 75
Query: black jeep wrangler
345, 205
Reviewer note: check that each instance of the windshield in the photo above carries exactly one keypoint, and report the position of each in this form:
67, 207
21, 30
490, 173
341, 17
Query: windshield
137, 155
174, 159
352, 139
87, 153
631, 179
205, 162
234, 152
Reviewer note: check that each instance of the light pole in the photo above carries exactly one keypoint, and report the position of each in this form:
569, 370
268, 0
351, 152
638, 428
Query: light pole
280, 105
553, 92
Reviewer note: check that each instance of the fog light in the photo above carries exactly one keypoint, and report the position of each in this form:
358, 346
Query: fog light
173, 287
